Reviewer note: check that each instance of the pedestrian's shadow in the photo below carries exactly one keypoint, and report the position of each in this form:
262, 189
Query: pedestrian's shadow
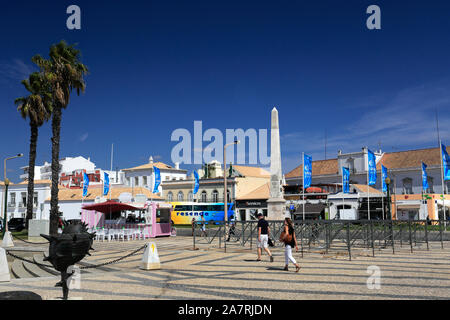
275, 268
251, 260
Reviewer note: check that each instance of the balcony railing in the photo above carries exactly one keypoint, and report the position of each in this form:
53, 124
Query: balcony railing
11, 204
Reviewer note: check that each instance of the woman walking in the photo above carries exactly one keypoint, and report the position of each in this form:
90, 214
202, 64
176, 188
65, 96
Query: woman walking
289, 229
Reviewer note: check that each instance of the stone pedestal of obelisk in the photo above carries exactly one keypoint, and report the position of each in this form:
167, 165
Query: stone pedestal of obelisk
276, 205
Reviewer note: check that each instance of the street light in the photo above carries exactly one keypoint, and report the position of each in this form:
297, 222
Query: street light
225, 191
5, 221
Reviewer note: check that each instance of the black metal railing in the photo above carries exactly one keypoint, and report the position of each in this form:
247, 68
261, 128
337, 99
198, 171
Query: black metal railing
332, 235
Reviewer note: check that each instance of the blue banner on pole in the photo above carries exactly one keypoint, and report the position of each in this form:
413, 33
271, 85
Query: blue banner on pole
157, 179
196, 183
384, 175
106, 184
345, 180
372, 168
424, 177
85, 184
307, 171
445, 162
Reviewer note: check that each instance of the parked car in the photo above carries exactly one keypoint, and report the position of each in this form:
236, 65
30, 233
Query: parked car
16, 224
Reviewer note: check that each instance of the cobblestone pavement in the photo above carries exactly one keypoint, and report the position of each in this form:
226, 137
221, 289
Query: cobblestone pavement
209, 273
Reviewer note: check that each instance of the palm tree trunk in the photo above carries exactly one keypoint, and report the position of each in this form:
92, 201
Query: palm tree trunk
54, 208
31, 164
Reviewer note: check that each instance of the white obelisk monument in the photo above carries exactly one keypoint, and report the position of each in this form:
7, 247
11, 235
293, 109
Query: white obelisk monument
276, 205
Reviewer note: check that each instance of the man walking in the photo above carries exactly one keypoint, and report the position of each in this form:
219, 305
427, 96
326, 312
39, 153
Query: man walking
263, 236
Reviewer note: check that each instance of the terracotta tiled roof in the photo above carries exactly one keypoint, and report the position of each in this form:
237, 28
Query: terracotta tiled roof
391, 160
319, 167
159, 165
411, 158
261, 192
362, 188
247, 171
37, 182
66, 194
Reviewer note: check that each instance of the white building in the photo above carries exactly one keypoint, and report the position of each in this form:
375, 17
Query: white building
17, 198
143, 175
71, 172
67, 164
346, 206
404, 169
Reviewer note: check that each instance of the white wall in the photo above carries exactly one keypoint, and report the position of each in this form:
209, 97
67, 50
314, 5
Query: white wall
43, 192
70, 209
140, 174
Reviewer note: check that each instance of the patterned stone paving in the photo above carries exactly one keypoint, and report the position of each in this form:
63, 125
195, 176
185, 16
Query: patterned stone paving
209, 273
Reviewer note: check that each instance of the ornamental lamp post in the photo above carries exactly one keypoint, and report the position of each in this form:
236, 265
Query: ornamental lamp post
5, 214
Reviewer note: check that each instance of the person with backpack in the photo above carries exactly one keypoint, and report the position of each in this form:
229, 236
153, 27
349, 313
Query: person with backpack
290, 241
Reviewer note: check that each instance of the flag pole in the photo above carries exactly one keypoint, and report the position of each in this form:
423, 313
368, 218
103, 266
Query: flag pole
342, 191
382, 197
193, 186
368, 191
443, 186
303, 187
112, 154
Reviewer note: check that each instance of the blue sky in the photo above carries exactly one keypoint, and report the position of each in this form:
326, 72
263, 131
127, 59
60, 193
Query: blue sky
156, 66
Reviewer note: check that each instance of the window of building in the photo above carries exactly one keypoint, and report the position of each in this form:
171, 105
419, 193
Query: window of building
35, 199
24, 199
351, 165
12, 196
180, 196
407, 186
136, 181
144, 180
430, 185
203, 196
190, 196
228, 196
170, 196
215, 196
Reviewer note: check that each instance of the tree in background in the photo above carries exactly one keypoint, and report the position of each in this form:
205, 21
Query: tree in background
37, 108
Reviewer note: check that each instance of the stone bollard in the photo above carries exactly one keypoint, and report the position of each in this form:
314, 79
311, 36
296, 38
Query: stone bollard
4, 268
150, 259
7, 240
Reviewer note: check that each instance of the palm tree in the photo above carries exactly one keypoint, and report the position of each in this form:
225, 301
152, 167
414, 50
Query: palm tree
37, 107
65, 72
